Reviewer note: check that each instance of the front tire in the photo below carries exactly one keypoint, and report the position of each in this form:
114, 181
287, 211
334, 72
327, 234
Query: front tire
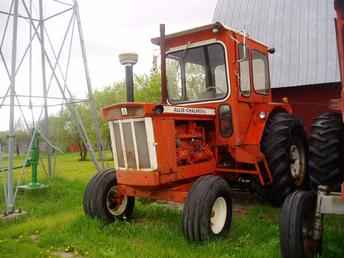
285, 147
296, 226
89, 192
104, 202
326, 151
207, 212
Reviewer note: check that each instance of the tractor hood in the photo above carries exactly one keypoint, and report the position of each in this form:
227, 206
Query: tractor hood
138, 110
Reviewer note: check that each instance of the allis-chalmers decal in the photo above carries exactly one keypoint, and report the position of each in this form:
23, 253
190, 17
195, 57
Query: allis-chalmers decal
187, 110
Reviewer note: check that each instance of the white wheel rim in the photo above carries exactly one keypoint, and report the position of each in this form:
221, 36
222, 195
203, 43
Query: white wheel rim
294, 155
296, 165
115, 210
218, 215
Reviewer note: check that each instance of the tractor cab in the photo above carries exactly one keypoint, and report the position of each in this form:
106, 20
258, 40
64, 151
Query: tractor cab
215, 128
219, 68
212, 63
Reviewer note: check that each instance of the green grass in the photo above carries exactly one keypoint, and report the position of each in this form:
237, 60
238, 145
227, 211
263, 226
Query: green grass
55, 221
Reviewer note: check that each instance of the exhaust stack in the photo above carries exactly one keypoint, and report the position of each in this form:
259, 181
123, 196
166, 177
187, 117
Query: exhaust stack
129, 60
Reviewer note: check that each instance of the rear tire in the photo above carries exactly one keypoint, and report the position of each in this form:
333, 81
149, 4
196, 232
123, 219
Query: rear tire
103, 201
207, 212
285, 147
326, 151
296, 226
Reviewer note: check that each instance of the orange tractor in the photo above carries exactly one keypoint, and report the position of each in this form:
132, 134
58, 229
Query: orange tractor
215, 128
302, 214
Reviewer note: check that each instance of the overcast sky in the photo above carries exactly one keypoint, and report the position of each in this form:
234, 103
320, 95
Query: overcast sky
115, 26
110, 27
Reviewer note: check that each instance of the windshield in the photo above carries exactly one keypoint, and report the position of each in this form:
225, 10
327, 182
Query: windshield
197, 74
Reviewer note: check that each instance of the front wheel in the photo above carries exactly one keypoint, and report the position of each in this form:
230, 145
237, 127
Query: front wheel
207, 212
103, 199
297, 225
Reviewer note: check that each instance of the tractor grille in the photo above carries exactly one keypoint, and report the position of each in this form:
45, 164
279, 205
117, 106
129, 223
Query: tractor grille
133, 144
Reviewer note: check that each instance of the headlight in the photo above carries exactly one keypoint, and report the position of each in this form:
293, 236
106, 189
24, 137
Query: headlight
262, 115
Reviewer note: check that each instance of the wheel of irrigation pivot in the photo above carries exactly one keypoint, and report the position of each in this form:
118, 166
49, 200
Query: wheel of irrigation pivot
285, 147
207, 212
326, 151
296, 226
103, 200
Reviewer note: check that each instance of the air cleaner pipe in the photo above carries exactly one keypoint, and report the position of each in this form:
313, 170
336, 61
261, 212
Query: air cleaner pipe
129, 81
163, 64
129, 60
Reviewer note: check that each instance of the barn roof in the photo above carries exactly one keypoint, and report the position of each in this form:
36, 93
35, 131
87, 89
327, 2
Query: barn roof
302, 31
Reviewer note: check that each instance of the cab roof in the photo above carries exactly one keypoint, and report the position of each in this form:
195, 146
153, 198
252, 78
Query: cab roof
218, 25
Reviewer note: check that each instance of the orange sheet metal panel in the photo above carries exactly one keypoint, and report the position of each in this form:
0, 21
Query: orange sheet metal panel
190, 171
155, 178
138, 178
168, 194
127, 110
165, 136
247, 153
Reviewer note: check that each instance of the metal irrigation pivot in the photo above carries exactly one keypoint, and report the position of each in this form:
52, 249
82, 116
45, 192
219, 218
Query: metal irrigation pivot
44, 84
34, 162
53, 72
10, 193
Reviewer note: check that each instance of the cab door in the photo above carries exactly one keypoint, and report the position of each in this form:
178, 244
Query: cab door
260, 77
254, 85
245, 93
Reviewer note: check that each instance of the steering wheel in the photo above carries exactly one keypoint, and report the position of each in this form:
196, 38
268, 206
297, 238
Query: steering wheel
217, 89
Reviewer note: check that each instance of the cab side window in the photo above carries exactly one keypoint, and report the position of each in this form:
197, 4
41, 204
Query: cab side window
260, 67
244, 66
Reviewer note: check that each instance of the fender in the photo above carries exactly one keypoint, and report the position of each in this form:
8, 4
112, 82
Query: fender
260, 117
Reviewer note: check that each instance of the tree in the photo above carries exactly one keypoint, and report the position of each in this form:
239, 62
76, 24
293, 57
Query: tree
147, 89
64, 129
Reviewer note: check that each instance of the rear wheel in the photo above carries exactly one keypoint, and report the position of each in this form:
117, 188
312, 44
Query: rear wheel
326, 151
103, 199
285, 148
207, 211
296, 226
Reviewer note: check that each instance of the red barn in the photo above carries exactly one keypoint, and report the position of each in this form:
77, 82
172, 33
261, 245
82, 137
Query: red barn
305, 66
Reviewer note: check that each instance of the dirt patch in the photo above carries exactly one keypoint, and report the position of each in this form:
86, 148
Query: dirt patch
66, 255
240, 211
243, 199
13, 216
172, 205
34, 238
144, 220
240, 199
242, 202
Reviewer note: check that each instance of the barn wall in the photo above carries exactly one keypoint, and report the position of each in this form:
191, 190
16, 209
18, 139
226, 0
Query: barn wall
302, 32
308, 101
